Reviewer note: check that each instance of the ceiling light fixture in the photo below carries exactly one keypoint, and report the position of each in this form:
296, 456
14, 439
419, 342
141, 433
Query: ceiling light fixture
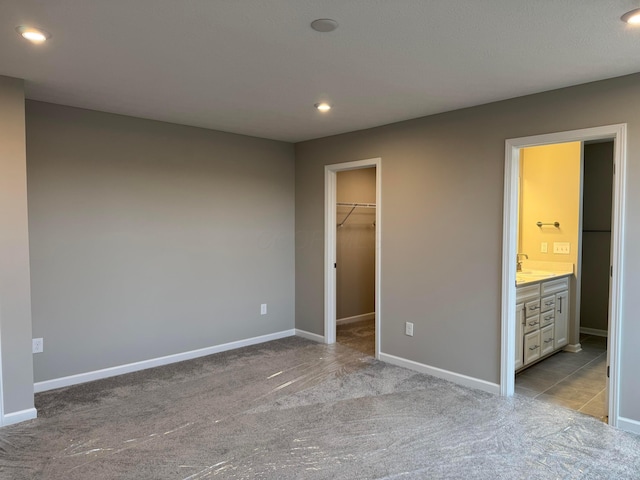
324, 25
632, 17
34, 35
323, 107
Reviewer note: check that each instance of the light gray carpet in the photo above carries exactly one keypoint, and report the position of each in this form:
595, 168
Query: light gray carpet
294, 409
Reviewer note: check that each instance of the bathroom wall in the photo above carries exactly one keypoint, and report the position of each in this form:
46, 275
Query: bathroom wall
355, 244
550, 192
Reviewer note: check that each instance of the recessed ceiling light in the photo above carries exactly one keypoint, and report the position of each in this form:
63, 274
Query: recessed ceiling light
323, 107
324, 25
632, 17
34, 35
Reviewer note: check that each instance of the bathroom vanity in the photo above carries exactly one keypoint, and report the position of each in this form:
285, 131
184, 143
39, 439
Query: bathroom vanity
542, 316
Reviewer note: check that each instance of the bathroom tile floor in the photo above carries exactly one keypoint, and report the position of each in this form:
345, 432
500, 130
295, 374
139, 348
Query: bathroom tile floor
573, 380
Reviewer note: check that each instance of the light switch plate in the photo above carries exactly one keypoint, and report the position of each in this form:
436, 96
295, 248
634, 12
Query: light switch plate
563, 248
544, 247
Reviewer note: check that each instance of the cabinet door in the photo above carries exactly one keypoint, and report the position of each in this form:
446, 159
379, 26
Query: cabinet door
546, 336
562, 319
531, 347
519, 334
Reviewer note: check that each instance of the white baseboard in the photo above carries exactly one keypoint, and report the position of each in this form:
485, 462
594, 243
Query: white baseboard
458, 378
155, 362
20, 416
310, 336
575, 348
356, 318
629, 425
594, 331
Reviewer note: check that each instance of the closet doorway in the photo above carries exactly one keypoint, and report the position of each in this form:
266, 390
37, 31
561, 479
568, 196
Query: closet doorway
355, 259
352, 255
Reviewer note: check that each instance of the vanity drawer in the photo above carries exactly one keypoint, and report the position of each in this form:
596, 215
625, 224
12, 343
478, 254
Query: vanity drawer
531, 347
532, 308
546, 337
547, 318
531, 323
527, 293
548, 303
554, 286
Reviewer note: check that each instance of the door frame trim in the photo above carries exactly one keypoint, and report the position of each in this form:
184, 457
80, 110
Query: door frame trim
618, 133
330, 237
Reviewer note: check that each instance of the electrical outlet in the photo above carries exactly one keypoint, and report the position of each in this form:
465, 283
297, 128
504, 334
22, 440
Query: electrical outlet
563, 248
37, 345
408, 329
263, 309
544, 247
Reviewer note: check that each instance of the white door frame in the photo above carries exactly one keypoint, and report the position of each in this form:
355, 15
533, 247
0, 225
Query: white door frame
330, 234
1, 383
618, 133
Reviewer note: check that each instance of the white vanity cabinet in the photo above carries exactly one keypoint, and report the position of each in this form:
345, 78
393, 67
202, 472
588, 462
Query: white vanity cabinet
542, 325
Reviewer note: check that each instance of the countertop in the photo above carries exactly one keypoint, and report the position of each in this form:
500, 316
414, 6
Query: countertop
530, 277
535, 272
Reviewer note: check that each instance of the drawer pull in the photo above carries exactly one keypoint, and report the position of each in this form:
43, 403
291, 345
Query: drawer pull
549, 340
548, 317
534, 347
531, 324
534, 307
548, 304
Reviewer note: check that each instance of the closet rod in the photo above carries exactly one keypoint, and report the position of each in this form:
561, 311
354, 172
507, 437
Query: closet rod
353, 207
364, 205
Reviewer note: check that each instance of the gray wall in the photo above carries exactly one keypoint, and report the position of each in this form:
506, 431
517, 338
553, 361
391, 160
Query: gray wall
596, 235
442, 197
15, 306
356, 244
150, 239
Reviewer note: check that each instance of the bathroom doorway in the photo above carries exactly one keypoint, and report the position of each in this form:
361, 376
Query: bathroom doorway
354, 220
355, 259
571, 184
593, 346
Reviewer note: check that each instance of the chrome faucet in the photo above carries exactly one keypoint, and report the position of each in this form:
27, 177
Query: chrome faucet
519, 260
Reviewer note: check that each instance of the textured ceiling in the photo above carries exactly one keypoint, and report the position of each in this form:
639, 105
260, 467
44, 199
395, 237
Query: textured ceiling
255, 67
